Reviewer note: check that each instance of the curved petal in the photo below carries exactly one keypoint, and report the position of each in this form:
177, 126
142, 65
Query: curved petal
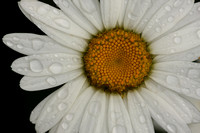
188, 55
163, 113
178, 83
94, 116
155, 6
187, 69
186, 38
184, 108
91, 10
63, 38
45, 82
118, 117
59, 104
134, 12
139, 113
166, 17
30, 44
72, 119
46, 64
74, 14
110, 11
53, 18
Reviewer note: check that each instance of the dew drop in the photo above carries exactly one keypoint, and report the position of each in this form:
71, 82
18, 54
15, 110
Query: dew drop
65, 125
171, 128
49, 109
69, 117
62, 22
62, 106
56, 12
193, 73
19, 46
43, 10
94, 108
142, 119
172, 80
168, 8
9, 44
177, 40
37, 44
181, 10
158, 29
51, 80
16, 39
36, 66
170, 19
56, 68
177, 3
119, 129
198, 33
65, 3
63, 93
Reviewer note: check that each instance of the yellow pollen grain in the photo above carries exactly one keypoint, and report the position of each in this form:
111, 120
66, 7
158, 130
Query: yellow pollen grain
117, 60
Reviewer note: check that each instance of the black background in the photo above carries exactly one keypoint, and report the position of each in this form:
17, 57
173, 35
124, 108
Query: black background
16, 104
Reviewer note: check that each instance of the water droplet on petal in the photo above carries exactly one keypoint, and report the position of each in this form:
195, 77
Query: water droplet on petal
198, 92
94, 108
65, 125
168, 8
69, 117
56, 68
16, 39
19, 46
51, 80
49, 109
37, 44
142, 119
62, 106
172, 80
62, 23
171, 128
181, 10
177, 3
158, 29
170, 19
63, 93
119, 129
10, 44
36, 66
43, 10
177, 40
65, 3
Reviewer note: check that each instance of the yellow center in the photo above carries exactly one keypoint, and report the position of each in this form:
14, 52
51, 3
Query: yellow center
117, 60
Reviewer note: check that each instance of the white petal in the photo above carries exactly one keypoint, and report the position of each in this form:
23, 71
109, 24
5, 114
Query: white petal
188, 55
46, 64
45, 82
195, 127
63, 38
91, 10
192, 16
164, 114
118, 117
177, 83
37, 110
53, 18
94, 116
53, 129
29, 44
74, 14
134, 12
186, 38
122, 13
59, 104
166, 17
139, 114
156, 4
110, 11
187, 69
185, 109
72, 119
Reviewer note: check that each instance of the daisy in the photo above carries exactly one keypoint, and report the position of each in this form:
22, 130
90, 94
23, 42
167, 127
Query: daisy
122, 62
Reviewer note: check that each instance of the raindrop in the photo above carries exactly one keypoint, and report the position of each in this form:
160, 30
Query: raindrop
65, 125
43, 10
56, 12
16, 39
49, 109
65, 3
158, 29
177, 40
19, 46
168, 8
193, 73
142, 119
9, 44
170, 19
37, 44
172, 80
171, 128
62, 106
36, 66
69, 117
63, 93
51, 80
56, 68
119, 129
181, 10
94, 108
177, 3
62, 22
198, 92
198, 33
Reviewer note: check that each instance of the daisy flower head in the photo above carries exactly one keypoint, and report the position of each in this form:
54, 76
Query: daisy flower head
121, 63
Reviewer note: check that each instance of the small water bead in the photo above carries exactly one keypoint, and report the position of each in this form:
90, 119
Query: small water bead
19, 46
177, 3
37, 44
158, 29
65, 125
168, 8
36, 66
181, 10
51, 80
62, 23
10, 44
43, 10
16, 39
63, 93
62, 106
69, 117
119, 129
49, 109
65, 3
171, 128
56, 68
177, 40
142, 119
172, 80
170, 19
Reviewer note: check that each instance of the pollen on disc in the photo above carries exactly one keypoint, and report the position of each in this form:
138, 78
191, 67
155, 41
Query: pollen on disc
117, 60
